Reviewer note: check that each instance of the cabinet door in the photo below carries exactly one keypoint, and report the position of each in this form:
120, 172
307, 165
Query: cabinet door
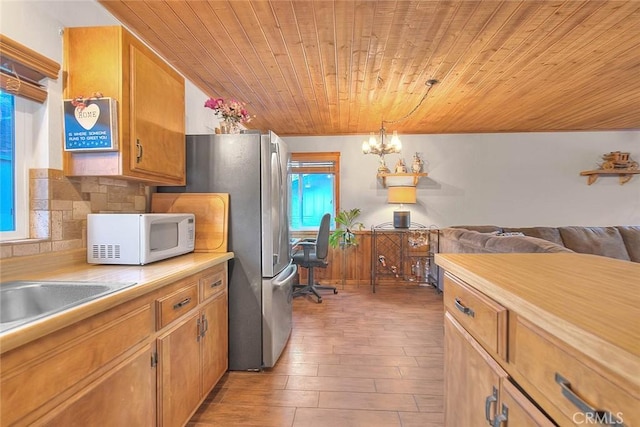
126, 397
179, 372
215, 342
519, 411
157, 118
472, 379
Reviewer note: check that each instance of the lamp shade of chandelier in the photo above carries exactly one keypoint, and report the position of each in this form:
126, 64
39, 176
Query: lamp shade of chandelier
381, 146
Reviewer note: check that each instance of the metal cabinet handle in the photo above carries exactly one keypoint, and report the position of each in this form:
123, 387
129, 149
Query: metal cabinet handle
465, 310
603, 417
216, 283
139, 151
199, 329
504, 416
488, 403
182, 303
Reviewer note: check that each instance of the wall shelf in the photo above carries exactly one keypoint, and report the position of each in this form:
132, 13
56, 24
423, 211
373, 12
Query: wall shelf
400, 179
624, 175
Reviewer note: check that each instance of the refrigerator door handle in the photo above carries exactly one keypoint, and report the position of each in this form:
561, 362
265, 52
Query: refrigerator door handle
281, 199
285, 276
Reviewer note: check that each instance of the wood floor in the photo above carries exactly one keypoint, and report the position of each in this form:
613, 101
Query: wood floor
357, 359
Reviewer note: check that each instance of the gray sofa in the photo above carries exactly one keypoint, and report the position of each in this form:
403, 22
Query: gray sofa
621, 242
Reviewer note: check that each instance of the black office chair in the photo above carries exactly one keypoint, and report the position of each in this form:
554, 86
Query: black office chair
313, 255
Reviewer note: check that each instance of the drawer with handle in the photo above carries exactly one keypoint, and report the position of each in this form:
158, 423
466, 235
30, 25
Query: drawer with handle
213, 283
174, 305
582, 393
482, 317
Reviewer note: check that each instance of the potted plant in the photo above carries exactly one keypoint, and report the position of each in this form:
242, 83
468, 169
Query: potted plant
344, 237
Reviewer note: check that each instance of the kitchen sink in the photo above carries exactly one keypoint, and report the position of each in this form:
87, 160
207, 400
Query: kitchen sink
22, 302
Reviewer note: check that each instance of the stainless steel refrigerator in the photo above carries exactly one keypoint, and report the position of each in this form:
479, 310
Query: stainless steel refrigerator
253, 169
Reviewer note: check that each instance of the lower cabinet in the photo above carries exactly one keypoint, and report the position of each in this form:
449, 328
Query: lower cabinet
130, 365
215, 342
179, 370
478, 392
123, 397
192, 357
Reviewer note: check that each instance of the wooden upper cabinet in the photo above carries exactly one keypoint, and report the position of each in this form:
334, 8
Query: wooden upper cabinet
150, 99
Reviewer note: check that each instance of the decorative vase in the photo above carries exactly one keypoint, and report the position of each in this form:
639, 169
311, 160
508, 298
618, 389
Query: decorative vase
229, 126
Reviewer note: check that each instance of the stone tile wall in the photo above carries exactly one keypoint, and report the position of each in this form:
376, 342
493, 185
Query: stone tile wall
58, 208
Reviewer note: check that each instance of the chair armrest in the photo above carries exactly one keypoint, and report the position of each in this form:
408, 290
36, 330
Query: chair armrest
307, 247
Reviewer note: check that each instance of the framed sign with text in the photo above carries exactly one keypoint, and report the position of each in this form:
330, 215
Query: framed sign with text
91, 125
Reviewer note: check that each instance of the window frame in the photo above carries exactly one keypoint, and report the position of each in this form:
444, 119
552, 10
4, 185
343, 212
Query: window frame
319, 157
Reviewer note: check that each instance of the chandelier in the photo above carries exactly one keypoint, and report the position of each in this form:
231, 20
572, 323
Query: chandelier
380, 146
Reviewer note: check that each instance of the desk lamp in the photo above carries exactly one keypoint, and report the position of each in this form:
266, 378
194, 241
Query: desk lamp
401, 195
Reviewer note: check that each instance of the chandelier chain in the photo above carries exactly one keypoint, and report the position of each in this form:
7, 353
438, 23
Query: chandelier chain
430, 84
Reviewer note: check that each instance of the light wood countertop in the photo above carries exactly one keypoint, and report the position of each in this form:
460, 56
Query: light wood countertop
70, 267
590, 302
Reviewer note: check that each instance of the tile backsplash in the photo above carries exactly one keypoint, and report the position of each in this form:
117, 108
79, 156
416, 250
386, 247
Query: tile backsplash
58, 208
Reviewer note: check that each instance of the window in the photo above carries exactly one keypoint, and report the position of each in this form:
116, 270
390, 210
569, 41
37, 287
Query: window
315, 184
13, 179
22, 101
7, 162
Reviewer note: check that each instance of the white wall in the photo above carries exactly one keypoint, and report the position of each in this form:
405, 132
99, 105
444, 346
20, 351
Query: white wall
510, 179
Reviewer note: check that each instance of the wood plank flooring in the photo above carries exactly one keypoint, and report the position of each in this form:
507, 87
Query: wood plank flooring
357, 359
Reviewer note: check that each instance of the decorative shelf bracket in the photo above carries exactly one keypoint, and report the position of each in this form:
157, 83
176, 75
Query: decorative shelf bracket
624, 175
400, 179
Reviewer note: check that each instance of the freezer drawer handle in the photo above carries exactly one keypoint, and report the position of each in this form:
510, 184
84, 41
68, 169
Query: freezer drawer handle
182, 303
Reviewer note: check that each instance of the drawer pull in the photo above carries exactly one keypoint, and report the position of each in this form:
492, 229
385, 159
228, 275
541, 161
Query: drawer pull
488, 403
602, 417
504, 416
216, 283
465, 310
182, 303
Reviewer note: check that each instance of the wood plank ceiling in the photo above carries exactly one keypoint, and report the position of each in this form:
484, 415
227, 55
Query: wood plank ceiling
332, 67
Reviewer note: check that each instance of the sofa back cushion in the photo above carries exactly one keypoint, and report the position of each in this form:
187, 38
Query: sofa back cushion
605, 241
551, 234
631, 236
479, 228
525, 244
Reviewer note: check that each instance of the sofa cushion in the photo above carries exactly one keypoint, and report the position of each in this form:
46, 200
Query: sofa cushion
605, 241
631, 236
506, 244
479, 228
551, 234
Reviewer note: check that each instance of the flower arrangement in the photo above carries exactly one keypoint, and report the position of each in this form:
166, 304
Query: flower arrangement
232, 112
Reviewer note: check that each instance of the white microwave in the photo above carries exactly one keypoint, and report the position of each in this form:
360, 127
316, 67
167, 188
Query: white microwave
118, 238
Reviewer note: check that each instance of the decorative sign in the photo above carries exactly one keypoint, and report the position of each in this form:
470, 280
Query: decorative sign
92, 126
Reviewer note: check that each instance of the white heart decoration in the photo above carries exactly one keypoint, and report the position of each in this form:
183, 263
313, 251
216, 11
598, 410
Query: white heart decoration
88, 116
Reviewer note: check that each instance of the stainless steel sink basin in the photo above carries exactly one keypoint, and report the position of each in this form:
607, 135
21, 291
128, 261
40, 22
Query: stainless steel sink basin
22, 302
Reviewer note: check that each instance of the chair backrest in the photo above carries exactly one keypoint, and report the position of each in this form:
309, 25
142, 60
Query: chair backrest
322, 239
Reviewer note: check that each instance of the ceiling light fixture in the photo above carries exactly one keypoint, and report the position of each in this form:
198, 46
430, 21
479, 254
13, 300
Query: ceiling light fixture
380, 146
